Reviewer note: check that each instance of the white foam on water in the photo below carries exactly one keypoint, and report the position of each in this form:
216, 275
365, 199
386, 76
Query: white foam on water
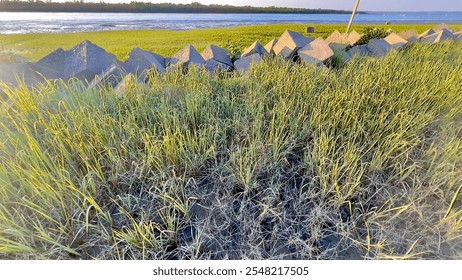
20, 23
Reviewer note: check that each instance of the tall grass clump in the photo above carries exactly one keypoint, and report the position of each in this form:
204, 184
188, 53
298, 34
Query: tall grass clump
288, 161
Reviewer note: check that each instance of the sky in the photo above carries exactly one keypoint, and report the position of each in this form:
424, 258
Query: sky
366, 5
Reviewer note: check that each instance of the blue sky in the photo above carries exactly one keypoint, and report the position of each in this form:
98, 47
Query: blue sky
366, 5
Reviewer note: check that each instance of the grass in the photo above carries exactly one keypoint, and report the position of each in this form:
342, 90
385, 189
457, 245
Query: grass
288, 161
168, 42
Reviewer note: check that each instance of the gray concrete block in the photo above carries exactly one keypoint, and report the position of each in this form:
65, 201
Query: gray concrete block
289, 43
14, 74
427, 33
443, 26
353, 37
310, 29
52, 65
110, 78
395, 41
338, 46
218, 54
360, 50
121, 89
269, 47
336, 37
318, 50
187, 56
343, 38
213, 66
410, 35
438, 37
140, 61
379, 48
256, 47
245, 63
86, 60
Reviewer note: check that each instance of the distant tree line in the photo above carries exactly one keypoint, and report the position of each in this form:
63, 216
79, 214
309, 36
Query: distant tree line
142, 7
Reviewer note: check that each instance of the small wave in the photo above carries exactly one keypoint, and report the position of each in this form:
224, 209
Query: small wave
70, 23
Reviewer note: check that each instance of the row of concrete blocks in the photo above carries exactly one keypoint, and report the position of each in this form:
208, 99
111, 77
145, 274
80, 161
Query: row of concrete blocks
380, 47
89, 62
290, 46
293, 45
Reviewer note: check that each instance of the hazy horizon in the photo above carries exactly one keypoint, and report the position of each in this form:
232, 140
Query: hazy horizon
366, 5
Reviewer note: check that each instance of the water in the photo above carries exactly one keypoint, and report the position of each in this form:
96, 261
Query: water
21, 23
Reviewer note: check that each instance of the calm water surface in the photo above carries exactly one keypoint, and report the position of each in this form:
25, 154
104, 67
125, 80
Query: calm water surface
20, 23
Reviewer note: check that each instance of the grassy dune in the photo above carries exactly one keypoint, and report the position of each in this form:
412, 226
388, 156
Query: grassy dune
289, 161
168, 42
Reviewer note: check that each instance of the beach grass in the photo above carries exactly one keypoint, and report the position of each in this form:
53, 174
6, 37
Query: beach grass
168, 42
288, 161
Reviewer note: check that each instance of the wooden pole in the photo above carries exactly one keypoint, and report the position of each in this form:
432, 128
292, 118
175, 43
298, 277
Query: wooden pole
353, 16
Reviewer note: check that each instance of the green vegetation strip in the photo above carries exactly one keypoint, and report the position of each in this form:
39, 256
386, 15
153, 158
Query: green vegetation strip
168, 42
288, 161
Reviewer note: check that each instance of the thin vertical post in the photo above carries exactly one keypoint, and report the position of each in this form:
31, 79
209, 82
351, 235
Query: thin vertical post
353, 16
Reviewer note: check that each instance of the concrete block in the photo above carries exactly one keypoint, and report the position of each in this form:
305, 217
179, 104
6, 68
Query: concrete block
245, 63
86, 60
187, 56
218, 54
410, 35
256, 47
379, 48
427, 33
289, 43
310, 29
140, 61
395, 41
52, 65
269, 47
360, 50
110, 78
443, 26
353, 37
318, 50
13, 74
212, 66
438, 37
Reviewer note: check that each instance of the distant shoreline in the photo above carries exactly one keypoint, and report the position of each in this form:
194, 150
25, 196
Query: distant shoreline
136, 7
